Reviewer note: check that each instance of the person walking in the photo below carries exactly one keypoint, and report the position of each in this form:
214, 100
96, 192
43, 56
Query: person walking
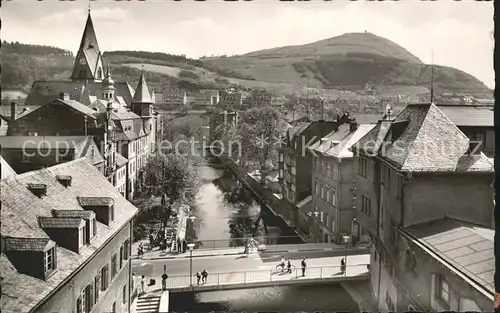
184, 245
204, 276
289, 266
179, 242
198, 277
164, 278
143, 285
303, 265
342, 266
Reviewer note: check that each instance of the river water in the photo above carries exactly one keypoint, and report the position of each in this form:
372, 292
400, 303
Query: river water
222, 221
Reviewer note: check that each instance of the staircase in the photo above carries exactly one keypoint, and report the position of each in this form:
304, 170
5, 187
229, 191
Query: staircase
148, 304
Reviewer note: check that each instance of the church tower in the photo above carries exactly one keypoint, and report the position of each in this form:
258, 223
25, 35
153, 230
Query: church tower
142, 104
108, 86
88, 61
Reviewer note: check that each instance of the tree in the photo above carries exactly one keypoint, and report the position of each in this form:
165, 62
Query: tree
259, 132
170, 175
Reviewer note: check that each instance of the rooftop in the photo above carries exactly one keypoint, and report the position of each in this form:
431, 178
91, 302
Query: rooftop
5, 168
337, 143
21, 210
463, 247
33, 142
469, 115
423, 139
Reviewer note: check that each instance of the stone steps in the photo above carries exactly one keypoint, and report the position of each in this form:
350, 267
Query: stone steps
148, 304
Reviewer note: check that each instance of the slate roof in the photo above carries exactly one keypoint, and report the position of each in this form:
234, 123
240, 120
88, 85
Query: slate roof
469, 115
21, 210
337, 143
463, 246
423, 139
120, 160
141, 92
61, 222
28, 244
6, 170
89, 48
32, 142
43, 92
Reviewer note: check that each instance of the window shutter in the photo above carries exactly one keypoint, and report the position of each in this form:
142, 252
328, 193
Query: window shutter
97, 281
121, 256
79, 305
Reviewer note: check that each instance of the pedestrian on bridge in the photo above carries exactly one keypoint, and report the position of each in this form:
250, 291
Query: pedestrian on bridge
303, 265
204, 276
164, 278
179, 245
289, 266
198, 277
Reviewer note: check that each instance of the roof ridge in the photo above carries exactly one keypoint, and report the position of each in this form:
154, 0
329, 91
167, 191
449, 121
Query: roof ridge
49, 169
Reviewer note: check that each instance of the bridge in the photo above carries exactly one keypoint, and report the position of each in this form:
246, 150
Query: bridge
268, 278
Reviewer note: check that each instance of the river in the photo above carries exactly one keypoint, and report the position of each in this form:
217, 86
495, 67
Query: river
217, 224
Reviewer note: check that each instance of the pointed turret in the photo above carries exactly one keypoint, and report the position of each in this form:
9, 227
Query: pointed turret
141, 92
142, 104
108, 86
88, 61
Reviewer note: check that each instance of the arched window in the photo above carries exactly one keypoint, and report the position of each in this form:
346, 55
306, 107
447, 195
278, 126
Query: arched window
99, 73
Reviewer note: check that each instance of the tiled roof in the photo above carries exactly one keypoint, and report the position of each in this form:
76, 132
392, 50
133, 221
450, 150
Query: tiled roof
129, 130
120, 160
423, 139
141, 94
6, 170
89, 47
337, 143
468, 248
469, 115
21, 210
74, 213
95, 201
32, 142
61, 222
28, 244
80, 107
43, 92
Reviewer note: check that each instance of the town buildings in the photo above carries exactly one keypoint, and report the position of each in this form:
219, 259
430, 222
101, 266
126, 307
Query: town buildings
121, 119
425, 197
231, 98
65, 241
28, 153
333, 181
174, 98
203, 98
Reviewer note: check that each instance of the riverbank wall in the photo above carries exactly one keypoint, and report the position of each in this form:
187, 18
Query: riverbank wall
284, 213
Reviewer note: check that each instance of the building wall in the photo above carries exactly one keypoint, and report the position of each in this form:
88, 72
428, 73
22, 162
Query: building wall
366, 185
65, 300
484, 134
467, 197
422, 283
121, 179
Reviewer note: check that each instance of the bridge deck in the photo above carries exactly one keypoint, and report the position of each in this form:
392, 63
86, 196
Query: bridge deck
267, 278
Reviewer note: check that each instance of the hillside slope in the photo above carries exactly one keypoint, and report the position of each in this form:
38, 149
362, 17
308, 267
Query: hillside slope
350, 61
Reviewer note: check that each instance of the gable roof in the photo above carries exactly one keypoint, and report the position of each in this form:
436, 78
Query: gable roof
20, 212
141, 92
422, 139
42, 92
337, 143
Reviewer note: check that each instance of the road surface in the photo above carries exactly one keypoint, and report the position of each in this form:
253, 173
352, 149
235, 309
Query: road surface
256, 261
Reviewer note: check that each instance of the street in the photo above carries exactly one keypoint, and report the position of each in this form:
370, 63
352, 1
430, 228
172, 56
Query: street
239, 263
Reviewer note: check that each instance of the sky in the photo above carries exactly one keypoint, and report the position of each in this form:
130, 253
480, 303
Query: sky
450, 33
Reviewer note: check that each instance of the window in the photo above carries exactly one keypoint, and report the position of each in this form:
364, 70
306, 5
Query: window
316, 188
322, 192
321, 216
327, 194
124, 294
126, 249
394, 235
121, 256
366, 204
113, 307
363, 167
49, 262
400, 186
328, 169
81, 236
334, 171
105, 277
444, 290
97, 286
410, 260
334, 196
113, 266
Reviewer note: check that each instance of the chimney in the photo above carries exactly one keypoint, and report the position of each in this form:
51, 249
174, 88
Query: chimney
13, 110
353, 126
64, 96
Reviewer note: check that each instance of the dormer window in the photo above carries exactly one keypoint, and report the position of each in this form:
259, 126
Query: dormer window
49, 263
81, 237
65, 180
102, 206
38, 190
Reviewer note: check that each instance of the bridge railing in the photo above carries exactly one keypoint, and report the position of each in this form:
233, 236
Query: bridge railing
241, 242
266, 275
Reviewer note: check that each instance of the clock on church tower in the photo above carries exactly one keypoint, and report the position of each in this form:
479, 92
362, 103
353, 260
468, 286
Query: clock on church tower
83, 61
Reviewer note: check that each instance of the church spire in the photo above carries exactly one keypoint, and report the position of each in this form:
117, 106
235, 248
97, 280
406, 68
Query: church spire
88, 61
141, 92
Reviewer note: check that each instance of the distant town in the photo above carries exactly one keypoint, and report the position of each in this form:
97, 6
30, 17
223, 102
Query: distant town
144, 195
